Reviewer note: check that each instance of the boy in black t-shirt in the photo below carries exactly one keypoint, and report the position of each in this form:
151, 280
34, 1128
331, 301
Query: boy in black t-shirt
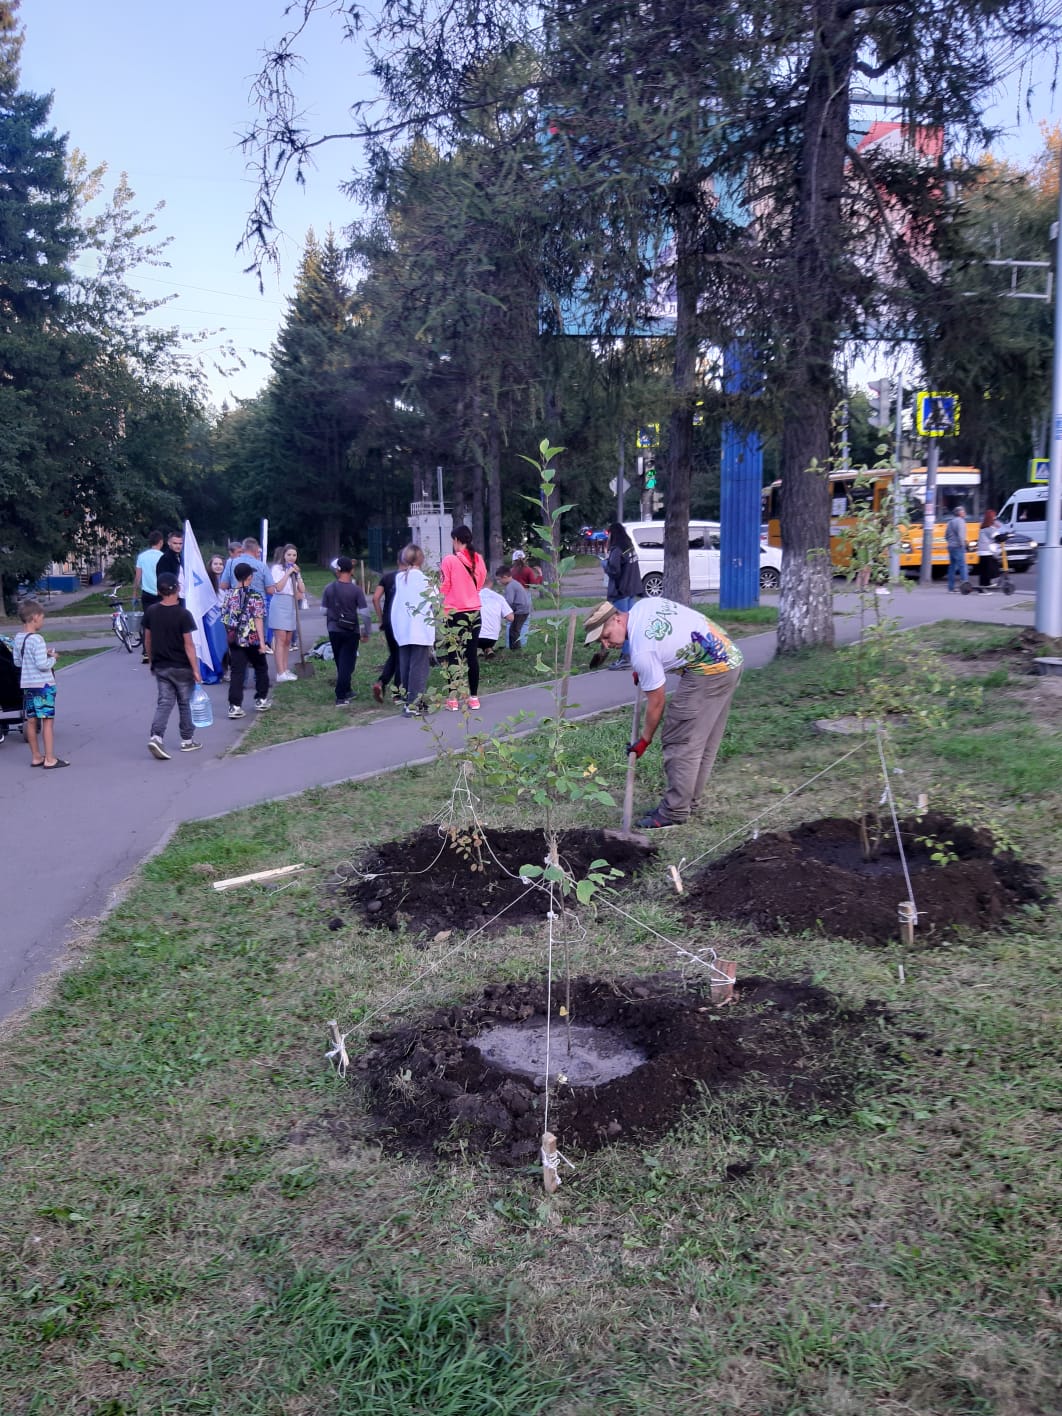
168, 630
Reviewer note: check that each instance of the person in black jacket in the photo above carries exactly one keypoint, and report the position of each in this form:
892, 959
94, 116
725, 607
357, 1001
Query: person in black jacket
624, 579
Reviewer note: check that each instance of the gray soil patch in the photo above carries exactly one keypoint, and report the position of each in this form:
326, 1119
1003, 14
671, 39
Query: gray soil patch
583, 1055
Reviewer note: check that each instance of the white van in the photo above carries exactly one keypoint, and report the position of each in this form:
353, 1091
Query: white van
648, 538
1026, 511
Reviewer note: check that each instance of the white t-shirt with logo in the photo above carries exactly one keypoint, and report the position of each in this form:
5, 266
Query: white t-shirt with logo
665, 636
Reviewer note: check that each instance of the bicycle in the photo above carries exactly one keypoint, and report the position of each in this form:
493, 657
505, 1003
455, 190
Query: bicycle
129, 633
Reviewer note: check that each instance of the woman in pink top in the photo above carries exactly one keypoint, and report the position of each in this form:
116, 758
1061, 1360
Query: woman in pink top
461, 578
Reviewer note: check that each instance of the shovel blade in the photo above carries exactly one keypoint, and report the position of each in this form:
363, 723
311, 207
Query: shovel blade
630, 838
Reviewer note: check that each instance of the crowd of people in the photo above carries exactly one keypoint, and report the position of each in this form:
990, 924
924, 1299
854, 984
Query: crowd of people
454, 619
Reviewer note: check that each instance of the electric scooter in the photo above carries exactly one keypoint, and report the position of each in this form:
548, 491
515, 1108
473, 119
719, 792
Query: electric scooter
1004, 583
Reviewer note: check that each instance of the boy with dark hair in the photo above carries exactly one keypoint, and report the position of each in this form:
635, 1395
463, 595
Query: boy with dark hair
519, 600
37, 679
168, 644
343, 603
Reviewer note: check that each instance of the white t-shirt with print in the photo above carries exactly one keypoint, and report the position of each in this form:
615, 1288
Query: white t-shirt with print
661, 634
493, 608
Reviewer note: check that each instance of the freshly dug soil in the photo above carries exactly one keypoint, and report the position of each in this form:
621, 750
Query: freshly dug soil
814, 877
432, 1090
430, 882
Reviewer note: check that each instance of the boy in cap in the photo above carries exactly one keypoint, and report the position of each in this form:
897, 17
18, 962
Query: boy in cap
343, 603
666, 637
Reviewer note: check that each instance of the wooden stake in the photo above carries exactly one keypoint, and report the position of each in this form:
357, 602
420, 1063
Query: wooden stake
908, 918
550, 1177
569, 650
235, 880
724, 992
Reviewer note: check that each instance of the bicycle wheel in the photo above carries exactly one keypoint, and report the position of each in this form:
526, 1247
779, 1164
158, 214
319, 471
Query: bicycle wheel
121, 629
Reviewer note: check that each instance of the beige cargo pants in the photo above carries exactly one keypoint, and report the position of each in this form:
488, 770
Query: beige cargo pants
694, 723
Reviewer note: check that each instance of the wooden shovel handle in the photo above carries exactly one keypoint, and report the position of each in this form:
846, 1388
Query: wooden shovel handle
628, 791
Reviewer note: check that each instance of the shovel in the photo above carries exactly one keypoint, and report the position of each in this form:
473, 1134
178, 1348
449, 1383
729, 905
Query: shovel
625, 833
302, 669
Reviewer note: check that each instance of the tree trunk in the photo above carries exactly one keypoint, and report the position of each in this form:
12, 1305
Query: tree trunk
327, 540
816, 303
494, 496
684, 383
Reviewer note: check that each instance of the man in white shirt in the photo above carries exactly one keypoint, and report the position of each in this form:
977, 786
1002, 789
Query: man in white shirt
666, 637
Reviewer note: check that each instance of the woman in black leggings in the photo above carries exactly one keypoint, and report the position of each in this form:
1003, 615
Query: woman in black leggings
462, 576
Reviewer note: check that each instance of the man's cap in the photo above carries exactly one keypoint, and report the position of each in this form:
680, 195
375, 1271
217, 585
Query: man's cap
345, 564
167, 583
519, 555
596, 620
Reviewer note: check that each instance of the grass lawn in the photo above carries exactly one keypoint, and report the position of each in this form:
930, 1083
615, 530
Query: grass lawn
195, 1218
97, 603
307, 708
72, 656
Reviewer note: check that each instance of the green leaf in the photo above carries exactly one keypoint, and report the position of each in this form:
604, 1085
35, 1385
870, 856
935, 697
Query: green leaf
584, 891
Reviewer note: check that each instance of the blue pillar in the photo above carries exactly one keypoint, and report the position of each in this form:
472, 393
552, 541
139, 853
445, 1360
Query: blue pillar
741, 483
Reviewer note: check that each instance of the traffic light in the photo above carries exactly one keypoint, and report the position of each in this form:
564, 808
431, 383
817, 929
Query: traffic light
650, 479
881, 403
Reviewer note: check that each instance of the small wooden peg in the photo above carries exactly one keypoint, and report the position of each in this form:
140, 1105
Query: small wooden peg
550, 1162
908, 920
338, 1053
724, 992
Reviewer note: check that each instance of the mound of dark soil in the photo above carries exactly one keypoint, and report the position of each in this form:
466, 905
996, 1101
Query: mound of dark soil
814, 877
431, 1088
460, 880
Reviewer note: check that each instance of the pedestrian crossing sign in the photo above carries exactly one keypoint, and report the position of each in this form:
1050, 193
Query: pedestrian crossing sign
1039, 470
936, 415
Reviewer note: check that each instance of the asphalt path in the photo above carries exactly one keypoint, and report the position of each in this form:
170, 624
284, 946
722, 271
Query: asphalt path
73, 836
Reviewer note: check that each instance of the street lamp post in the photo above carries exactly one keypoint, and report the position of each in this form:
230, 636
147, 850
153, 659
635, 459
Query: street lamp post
1049, 591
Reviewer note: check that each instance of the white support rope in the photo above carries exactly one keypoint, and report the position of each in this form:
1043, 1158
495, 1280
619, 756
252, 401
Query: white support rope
684, 863
718, 976
549, 1006
892, 810
436, 964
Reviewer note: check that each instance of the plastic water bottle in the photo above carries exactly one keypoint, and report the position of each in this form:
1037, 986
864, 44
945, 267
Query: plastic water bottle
202, 712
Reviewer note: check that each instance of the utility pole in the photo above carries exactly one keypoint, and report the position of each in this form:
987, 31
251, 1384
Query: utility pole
1049, 589
929, 516
897, 459
621, 485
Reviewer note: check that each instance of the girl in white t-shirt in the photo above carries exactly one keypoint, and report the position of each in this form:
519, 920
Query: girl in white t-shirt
288, 583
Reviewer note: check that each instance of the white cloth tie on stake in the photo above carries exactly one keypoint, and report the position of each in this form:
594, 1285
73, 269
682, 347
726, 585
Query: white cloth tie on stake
552, 1162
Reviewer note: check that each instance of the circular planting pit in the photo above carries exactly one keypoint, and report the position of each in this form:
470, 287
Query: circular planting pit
815, 877
471, 1078
462, 878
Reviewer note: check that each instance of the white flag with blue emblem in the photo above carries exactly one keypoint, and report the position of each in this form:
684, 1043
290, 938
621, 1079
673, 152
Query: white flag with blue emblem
209, 635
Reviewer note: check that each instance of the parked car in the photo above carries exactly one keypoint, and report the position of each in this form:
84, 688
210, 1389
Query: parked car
648, 537
1021, 550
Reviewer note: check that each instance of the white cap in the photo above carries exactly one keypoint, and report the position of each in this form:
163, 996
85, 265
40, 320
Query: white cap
519, 555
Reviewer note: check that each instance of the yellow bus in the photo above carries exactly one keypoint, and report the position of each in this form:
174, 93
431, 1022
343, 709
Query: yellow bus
956, 486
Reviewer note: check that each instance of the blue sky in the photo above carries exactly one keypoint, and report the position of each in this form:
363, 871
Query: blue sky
161, 92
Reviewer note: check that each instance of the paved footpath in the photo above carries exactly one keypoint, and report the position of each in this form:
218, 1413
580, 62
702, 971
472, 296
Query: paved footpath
71, 837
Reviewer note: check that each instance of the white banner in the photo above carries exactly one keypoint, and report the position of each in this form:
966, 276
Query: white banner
199, 598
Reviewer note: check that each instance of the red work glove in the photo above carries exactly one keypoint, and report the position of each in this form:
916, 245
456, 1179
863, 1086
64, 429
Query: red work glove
637, 747
634, 676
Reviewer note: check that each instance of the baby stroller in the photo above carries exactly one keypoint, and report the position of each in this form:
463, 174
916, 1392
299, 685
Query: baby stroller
11, 715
